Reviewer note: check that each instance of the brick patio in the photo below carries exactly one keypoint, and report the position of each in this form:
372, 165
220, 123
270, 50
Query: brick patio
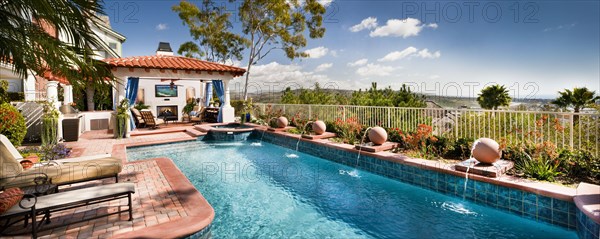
156, 202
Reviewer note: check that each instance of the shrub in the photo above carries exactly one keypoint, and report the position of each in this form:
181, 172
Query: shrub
49, 125
460, 149
4, 92
580, 165
439, 146
16, 96
53, 152
539, 168
347, 130
12, 124
419, 138
542, 164
397, 136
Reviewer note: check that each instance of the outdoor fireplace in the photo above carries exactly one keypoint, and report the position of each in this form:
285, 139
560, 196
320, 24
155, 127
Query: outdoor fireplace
168, 112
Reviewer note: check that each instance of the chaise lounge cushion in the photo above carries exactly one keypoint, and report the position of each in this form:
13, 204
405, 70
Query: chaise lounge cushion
76, 196
9, 164
60, 172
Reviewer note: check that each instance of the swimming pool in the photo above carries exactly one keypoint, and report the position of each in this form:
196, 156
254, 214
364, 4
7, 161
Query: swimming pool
263, 190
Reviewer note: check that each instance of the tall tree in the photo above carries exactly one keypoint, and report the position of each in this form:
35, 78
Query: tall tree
29, 48
279, 24
578, 98
493, 97
211, 28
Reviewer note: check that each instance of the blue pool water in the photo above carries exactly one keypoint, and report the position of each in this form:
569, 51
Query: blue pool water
260, 190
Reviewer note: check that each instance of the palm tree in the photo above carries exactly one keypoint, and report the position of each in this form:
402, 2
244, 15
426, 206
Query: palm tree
578, 98
29, 48
494, 96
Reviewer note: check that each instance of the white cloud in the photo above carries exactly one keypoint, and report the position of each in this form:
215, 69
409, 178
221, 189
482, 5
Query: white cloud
367, 23
433, 77
560, 27
375, 70
396, 55
358, 62
161, 27
410, 52
425, 54
432, 25
333, 53
317, 52
275, 76
399, 28
325, 3
323, 67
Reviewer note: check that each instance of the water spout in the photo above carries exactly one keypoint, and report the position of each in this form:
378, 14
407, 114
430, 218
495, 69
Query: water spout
362, 140
302, 133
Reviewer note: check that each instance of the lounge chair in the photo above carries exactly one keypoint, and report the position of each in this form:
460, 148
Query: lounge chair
59, 172
137, 116
199, 117
150, 120
31, 208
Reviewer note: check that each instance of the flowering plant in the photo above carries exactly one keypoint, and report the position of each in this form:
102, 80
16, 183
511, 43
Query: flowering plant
348, 130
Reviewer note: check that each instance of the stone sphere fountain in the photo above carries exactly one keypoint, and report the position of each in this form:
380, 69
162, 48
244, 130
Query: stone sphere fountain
377, 135
282, 122
319, 127
486, 150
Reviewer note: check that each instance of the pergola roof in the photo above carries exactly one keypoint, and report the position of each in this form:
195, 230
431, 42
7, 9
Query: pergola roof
165, 62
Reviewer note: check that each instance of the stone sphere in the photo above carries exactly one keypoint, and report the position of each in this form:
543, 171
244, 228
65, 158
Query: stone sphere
282, 122
319, 127
377, 135
486, 150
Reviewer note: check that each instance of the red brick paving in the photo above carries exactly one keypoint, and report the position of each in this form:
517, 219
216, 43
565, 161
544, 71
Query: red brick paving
155, 201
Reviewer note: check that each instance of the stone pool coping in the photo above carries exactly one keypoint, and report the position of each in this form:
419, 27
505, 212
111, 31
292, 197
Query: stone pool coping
200, 212
588, 200
210, 127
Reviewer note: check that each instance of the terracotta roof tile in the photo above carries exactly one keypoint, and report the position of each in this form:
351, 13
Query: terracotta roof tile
174, 63
48, 75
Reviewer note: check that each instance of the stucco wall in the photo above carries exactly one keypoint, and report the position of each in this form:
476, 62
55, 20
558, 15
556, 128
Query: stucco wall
179, 101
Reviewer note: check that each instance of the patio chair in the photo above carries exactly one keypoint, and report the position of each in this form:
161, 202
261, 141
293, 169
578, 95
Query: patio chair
199, 117
59, 172
30, 207
150, 120
137, 116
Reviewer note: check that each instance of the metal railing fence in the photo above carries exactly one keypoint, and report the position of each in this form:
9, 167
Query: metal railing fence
564, 129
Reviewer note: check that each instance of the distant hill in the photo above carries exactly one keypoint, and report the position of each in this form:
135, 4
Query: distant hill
442, 101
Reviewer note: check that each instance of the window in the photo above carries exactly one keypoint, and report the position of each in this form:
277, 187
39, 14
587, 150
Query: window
113, 45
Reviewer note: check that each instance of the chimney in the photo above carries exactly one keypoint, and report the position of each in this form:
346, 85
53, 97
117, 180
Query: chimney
164, 49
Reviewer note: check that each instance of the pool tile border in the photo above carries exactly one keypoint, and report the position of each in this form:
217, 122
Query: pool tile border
538, 201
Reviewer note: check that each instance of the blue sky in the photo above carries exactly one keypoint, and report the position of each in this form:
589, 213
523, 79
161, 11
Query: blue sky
448, 48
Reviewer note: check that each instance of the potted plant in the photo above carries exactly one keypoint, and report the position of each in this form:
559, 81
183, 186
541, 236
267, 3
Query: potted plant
141, 106
122, 118
49, 125
248, 108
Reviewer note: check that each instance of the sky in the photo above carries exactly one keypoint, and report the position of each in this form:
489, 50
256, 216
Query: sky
449, 48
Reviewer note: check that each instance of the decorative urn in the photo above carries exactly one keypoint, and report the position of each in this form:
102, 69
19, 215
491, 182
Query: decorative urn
319, 127
486, 150
282, 122
377, 135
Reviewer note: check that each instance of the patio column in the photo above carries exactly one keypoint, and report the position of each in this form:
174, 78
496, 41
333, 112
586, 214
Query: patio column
228, 111
52, 93
29, 87
52, 97
68, 94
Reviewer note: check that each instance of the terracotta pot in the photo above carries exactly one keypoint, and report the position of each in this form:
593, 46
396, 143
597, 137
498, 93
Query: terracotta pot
319, 127
377, 135
282, 122
486, 150
33, 158
26, 164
